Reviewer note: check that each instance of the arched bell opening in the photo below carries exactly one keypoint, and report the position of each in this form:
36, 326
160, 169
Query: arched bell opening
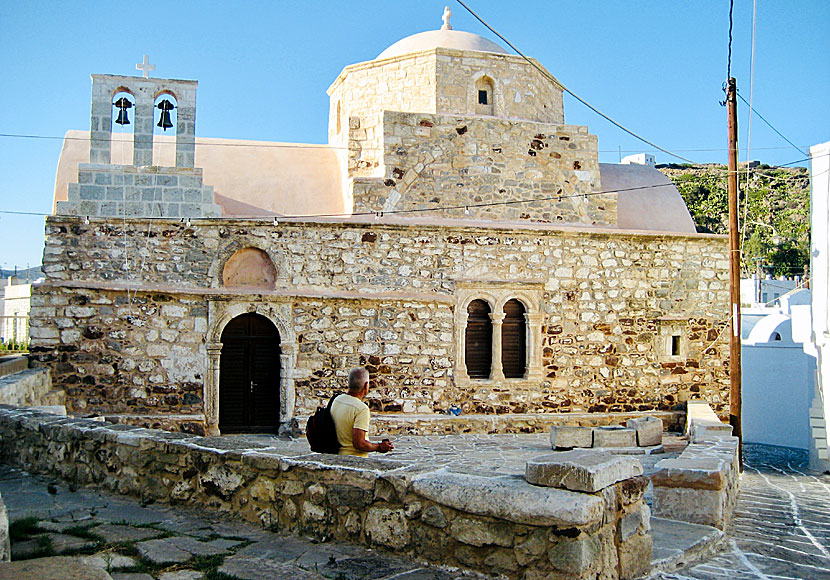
249, 376
165, 126
122, 132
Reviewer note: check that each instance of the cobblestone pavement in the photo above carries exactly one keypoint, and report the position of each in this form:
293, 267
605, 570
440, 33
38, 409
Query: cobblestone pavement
781, 528
161, 542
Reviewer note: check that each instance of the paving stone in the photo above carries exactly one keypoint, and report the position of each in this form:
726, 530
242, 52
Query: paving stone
581, 470
119, 534
182, 575
196, 547
248, 568
109, 560
162, 552
54, 568
131, 576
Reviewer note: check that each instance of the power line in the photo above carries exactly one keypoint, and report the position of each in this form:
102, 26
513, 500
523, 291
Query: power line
557, 197
265, 145
770, 125
729, 53
550, 77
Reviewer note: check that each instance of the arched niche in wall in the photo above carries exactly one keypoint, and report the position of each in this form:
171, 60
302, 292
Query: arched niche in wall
122, 132
165, 128
251, 268
485, 96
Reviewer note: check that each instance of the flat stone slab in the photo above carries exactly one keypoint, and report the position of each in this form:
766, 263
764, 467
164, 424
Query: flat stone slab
162, 552
119, 534
105, 560
568, 437
677, 543
55, 568
510, 498
196, 547
131, 576
581, 470
649, 430
182, 575
247, 568
614, 436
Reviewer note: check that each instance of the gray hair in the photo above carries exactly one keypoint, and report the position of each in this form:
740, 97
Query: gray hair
357, 378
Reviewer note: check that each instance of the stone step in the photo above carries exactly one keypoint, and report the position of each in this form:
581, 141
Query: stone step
817, 423
676, 544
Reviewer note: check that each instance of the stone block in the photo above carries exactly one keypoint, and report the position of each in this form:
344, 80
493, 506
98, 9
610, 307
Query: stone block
581, 470
567, 437
5, 546
510, 498
387, 527
692, 472
649, 430
697, 506
635, 556
576, 556
613, 436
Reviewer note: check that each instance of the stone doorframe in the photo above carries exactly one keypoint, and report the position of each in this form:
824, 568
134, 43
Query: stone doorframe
222, 311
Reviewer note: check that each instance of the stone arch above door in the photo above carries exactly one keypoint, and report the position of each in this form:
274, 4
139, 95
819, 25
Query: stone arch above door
220, 312
239, 248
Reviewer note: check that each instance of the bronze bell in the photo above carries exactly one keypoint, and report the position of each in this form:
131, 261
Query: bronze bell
164, 121
123, 104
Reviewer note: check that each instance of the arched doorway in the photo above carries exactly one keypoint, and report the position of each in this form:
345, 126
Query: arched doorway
249, 376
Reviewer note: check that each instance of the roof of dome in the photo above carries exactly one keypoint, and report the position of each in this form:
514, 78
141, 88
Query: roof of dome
456, 39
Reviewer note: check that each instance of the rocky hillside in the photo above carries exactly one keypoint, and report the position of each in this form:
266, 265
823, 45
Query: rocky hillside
776, 230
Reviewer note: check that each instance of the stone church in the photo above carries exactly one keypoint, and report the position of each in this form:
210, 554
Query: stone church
455, 236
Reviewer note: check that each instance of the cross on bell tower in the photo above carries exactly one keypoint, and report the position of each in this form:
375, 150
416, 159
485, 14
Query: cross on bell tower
145, 67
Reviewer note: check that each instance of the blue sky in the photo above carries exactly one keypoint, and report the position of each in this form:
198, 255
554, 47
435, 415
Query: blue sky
263, 68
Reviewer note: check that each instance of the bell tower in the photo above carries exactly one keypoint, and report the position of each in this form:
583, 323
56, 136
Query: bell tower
143, 188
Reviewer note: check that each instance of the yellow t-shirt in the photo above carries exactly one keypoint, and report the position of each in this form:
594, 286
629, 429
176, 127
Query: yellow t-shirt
349, 413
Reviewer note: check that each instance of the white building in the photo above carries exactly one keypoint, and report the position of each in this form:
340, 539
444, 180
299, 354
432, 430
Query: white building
766, 291
778, 370
14, 311
820, 267
639, 159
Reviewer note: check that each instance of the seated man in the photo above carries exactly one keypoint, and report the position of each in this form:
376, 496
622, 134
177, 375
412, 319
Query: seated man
351, 418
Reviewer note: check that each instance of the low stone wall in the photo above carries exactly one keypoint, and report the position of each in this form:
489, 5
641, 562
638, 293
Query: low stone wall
701, 485
406, 424
30, 387
496, 525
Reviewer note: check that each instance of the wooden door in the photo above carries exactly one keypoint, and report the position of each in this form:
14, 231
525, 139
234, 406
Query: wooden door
249, 376
513, 340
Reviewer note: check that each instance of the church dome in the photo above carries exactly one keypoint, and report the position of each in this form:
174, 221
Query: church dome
446, 37
455, 39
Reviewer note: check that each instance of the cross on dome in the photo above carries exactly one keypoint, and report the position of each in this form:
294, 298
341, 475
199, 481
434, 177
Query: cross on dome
446, 19
145, 67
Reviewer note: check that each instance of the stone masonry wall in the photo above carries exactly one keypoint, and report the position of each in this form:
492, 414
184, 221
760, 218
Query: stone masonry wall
439, 81
495, 525
435, 161
131, 339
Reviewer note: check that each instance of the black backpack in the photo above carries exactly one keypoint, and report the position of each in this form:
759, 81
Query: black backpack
320, 430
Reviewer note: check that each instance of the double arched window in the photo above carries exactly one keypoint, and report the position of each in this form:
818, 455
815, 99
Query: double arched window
501, 337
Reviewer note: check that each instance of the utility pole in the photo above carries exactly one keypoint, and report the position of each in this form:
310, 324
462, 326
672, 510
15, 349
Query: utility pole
734, 269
